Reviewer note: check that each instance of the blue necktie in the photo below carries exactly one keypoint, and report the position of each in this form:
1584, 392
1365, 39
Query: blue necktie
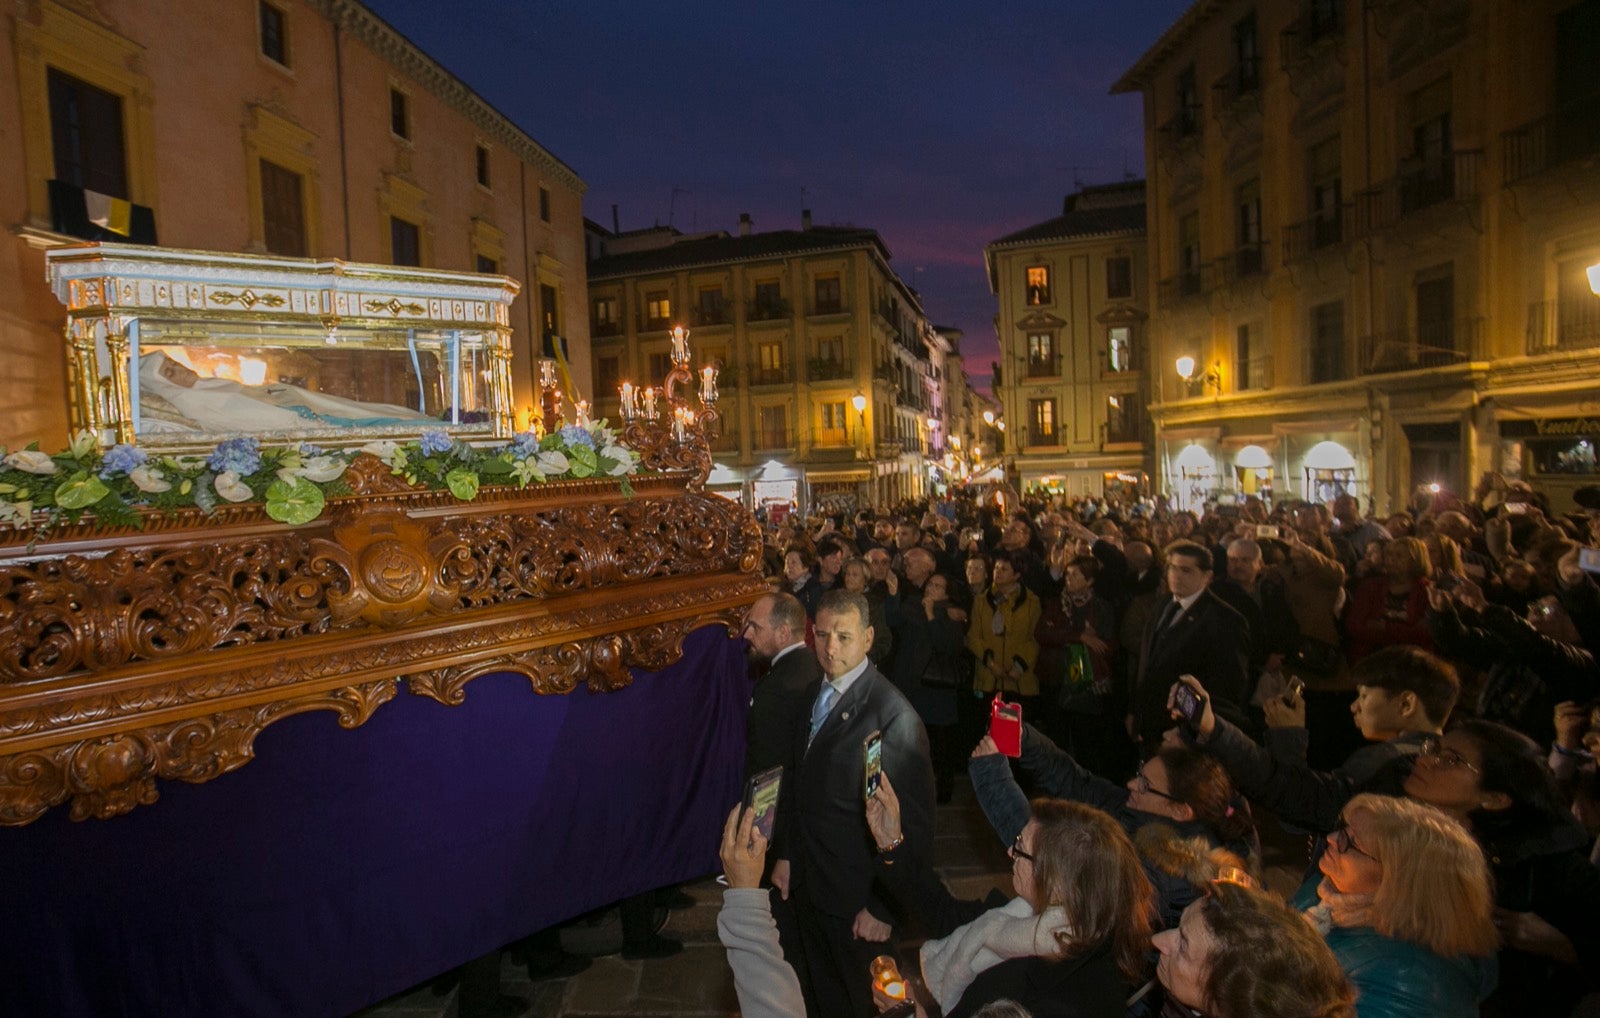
820, 709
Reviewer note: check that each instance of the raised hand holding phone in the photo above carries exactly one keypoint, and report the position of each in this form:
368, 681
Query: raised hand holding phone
1189, 703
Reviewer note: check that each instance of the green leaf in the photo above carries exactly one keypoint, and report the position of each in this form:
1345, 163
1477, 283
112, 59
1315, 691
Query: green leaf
294, 504
112, 511
583, 460
463, 484
80, 491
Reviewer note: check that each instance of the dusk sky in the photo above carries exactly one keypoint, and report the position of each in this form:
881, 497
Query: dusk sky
941, 124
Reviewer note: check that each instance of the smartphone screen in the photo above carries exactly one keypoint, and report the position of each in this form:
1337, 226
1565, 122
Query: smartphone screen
1266, 530
1187, 703
1516, 508
872, 753
1295, 690
761, 796
1589, 560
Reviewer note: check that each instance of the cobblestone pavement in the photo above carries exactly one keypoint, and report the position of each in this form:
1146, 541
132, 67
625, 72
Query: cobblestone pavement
697, 981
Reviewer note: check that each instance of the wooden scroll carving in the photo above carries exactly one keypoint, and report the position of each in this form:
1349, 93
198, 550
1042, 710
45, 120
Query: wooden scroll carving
129, 656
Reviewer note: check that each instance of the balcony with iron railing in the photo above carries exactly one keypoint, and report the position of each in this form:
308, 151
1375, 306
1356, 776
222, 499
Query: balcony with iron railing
1571, 323
605, 330
1421, 184
772, 438
1320, 232
826, 369
1244, 263
1239, 89
827, 307
1044, 366
1189, 284
1438, 343
1567, 134
1036, 437
711, 315
771, 376
1314, 36
1254, 373
767, 309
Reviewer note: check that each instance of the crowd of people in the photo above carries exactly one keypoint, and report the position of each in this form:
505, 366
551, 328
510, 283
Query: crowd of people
1417, 694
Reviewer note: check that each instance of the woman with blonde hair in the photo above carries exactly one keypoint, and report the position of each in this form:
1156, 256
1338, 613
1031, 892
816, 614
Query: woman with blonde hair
1390, 607
1403, 896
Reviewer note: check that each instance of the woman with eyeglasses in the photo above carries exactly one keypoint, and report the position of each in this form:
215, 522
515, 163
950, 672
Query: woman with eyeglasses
1071, 944
1180, 809
1401, 893
1492, 780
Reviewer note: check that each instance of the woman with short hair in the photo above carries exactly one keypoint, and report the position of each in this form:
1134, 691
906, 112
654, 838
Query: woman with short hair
1241, 953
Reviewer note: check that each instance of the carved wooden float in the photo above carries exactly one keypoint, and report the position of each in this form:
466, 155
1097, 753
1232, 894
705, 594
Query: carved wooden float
127, 656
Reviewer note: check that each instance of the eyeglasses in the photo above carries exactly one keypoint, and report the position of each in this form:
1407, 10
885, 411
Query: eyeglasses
1017, 850
1341, 839
1143, 785
1434, 747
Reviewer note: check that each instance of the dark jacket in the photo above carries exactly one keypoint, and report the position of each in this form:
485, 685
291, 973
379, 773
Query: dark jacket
822, 825
926, 645
1528, 672
778, 700
1087, 986
1061, 627
1209, 641
1056, 773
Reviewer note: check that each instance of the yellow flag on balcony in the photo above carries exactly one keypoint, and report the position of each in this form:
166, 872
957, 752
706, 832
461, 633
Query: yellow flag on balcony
108, 213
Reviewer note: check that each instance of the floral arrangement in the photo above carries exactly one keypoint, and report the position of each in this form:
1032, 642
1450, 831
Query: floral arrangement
294, 483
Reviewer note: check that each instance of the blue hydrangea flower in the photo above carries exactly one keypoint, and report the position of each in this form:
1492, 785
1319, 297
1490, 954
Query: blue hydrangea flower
574, 435
308, 450
435, 442
524, 444
121, 459
242, 456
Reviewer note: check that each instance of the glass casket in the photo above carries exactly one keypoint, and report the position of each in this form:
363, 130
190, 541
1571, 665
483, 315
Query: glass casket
177, 349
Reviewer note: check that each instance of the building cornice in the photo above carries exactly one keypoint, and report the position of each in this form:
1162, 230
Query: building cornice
1138, 76
362, 24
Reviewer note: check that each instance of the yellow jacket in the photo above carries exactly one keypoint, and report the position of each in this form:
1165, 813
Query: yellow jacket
1014, 650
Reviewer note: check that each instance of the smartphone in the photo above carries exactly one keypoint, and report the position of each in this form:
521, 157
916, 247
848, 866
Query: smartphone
1294, 690
872, 753
1187, 702
1589, 560
1516, 508
1267, 530
1005, 726
761, 796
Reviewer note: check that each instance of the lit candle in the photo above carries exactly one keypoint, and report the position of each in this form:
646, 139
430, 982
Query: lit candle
581, 412
680, 345
547, 374
628, 406
650, 403
708, 384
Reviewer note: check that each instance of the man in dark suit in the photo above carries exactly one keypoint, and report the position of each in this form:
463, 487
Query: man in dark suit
825, 852
1194, 633
775, 629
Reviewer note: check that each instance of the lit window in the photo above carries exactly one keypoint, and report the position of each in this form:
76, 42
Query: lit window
1038, 284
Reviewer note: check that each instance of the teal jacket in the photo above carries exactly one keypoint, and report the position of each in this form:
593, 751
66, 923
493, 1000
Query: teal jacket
1399, 979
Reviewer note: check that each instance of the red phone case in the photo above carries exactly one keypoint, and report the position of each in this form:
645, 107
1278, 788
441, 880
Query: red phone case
1005, 726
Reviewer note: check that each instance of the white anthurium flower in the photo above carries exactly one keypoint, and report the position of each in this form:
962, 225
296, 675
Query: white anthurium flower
31, 461
231, 488
553, 461
83, 444
322, 469
16, 512
622, 467
382, 448
149, 479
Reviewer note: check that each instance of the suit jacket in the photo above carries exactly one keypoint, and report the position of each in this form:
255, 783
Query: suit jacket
780, 696
822, 820
1210, 641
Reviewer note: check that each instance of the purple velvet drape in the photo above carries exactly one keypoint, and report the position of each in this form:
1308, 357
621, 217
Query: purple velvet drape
340, 867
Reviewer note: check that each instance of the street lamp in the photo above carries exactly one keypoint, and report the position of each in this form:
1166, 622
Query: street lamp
1594, 278
1186, 369
988, 418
